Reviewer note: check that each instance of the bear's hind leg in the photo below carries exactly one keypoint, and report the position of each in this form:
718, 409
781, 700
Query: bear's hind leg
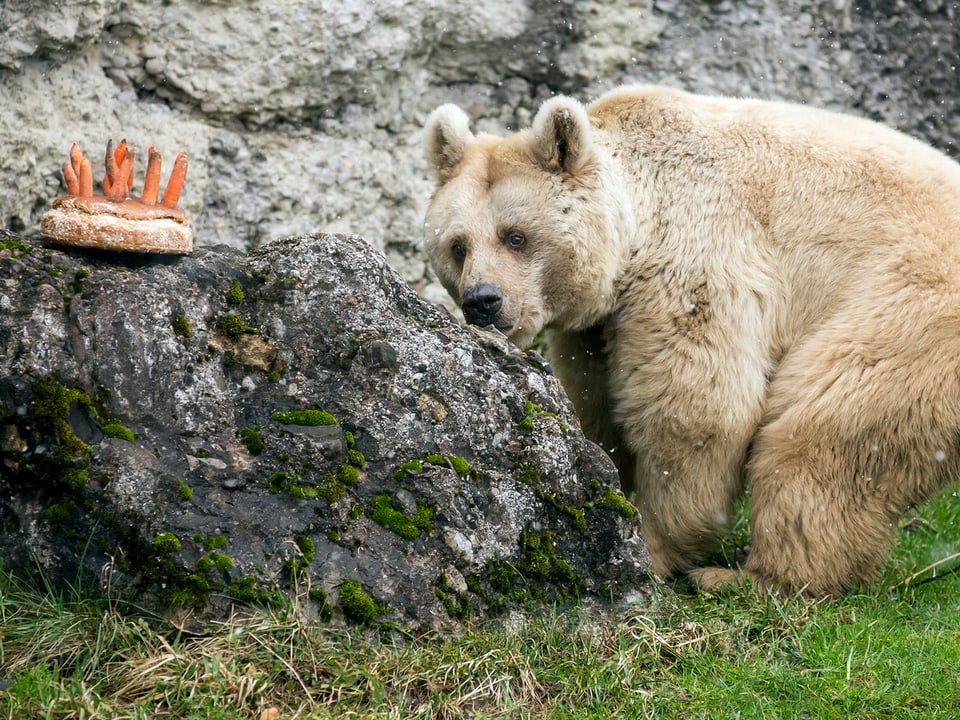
821, 523
817, 525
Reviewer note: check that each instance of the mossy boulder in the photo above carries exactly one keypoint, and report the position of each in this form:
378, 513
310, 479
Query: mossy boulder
157, 462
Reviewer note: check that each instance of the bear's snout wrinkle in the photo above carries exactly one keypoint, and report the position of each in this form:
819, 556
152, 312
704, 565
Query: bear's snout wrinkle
481, 304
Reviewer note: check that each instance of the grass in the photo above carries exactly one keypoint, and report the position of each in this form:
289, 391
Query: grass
891, 651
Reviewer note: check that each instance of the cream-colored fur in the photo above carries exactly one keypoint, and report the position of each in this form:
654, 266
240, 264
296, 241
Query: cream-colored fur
734, 291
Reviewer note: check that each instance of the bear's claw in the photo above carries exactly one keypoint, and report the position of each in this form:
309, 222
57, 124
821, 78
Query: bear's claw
715, 579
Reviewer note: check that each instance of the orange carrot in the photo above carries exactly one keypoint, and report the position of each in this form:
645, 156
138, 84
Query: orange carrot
175, 183
151, 182
110, 174
86, 178
119, 175
126, 173
76, 156
121, 153
130, 154
70, 177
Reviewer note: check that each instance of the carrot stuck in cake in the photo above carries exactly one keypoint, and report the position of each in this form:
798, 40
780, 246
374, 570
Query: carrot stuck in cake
116, 220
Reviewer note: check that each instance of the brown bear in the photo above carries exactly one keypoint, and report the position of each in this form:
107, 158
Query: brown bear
735, 292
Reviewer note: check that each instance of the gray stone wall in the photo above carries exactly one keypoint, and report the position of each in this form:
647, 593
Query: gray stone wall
305, 115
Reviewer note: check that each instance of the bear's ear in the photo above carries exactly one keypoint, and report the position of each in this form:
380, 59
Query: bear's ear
448, 136
561, 132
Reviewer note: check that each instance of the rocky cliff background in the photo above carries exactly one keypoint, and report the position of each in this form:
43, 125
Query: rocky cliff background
305, 115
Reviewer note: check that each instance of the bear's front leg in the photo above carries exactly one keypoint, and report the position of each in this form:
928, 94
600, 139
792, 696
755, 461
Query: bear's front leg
685, 496
688, 370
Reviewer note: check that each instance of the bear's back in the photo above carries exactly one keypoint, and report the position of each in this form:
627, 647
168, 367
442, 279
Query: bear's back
797, 177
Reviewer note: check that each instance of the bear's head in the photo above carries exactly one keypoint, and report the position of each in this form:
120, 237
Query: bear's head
528, 231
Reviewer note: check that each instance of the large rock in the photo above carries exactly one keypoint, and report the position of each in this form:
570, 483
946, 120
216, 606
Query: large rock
304, 115
194, 432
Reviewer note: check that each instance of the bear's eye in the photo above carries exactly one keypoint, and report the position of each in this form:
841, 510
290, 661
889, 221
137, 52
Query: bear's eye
516, 240
459, 249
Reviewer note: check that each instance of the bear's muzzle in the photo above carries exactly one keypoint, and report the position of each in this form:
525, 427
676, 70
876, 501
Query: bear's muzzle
481, 304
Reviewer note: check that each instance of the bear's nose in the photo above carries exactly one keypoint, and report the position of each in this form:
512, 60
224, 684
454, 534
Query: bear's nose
481, 303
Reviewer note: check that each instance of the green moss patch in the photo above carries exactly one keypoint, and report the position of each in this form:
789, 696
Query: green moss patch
113, 428
331, 490
615, 500
214, 542
532, 411
302, 560
278, 482
310, 418
460, 466
76, 478
214, 561
348, 474
456, 605
184, 492
250, 437
232, 327
304, 492
234, 295
166, 543
358, 607
411, 466
528, 475
158, 567
306, 546
52, 405
243, 589
78, 277
383, 513
60, 512
16, 247
578, 519
181, 326
537, 575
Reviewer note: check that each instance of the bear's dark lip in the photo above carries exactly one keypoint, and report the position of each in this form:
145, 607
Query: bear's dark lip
504, 326
506, 329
